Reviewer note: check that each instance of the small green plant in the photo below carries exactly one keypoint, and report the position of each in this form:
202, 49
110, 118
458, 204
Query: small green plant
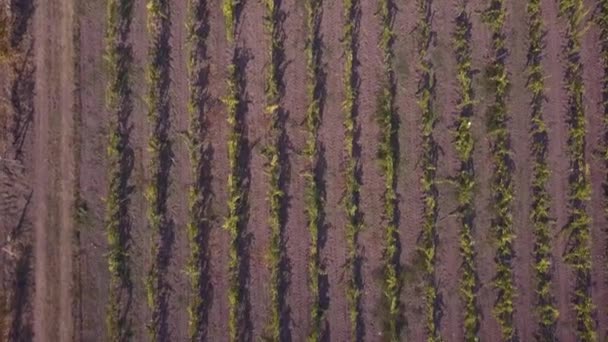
229, 8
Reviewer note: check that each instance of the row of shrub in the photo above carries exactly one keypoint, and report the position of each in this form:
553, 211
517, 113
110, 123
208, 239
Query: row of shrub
465, 180
578, 253
274, 168
118, 100
351, 197
159, 146
502, 187
313, 192
234, 219
426, 98
197, 198
541, 200
388, 155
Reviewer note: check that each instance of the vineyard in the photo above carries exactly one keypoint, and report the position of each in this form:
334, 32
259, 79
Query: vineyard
304, 170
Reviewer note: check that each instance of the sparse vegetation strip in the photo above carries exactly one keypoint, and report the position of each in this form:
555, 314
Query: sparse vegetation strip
578, 253
313, 196
159, 147
541, 200
351, 196
198, 220
502, 186
118, 58
234, 219
426, 98
388, 160
465, 145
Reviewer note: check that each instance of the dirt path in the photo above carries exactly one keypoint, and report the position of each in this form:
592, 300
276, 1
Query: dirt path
519, 125
53, 165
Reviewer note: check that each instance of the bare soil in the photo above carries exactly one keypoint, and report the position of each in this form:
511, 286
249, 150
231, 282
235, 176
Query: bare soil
558, 163
53, 176
519, 125
331, 136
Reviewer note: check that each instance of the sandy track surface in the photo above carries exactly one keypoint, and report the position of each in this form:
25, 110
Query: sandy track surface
53, 165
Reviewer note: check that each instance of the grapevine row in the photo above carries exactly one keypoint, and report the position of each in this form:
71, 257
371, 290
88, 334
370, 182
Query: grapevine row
234, 219
388, 159
578, 253
197, 226
119, 103
351, 198
465, 144
274, 168
313, 197
541, 199
502, 187
159, 147
426, 94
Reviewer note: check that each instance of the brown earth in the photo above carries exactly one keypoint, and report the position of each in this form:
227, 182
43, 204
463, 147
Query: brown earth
331, 136
54, 181
558, 163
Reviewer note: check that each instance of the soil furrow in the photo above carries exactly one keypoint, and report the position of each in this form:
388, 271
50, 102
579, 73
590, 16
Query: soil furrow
331, 136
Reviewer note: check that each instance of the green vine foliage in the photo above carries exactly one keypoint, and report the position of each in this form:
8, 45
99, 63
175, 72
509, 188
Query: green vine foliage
426, 97
313, 196
159, 147
274, 167
465, 144
578, 254
118, 100
351, 198
234, 218
502, 187
197, 199
388, 160
546, 309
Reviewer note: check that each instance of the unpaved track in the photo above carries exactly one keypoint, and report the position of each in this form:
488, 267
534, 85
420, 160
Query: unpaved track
53, 170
